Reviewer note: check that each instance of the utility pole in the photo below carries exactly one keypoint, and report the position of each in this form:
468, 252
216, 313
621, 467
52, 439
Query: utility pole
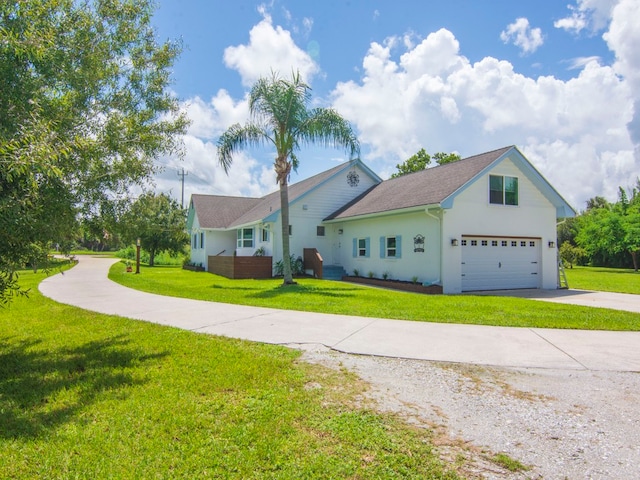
182, 174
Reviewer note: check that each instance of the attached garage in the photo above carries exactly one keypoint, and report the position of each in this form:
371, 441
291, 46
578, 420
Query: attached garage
500, 263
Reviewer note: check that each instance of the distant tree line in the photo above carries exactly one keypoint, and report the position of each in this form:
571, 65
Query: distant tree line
605, 234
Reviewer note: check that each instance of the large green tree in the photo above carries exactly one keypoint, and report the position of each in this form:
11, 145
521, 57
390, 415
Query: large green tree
84, 110
421, 160
608, 232
159, 222
281, 117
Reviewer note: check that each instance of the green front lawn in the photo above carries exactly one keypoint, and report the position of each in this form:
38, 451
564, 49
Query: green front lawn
350, 299
604, 279
85, 395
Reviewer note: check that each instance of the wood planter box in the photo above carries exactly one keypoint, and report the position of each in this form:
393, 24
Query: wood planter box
241, 267
193, 268
395, 285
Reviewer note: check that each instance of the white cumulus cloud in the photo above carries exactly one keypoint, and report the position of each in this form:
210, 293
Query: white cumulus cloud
523, 36
575, 131
269, 49
589, 15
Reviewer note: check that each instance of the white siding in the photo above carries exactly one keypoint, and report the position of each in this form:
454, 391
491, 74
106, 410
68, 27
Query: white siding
307, 213
423, 265
472, 214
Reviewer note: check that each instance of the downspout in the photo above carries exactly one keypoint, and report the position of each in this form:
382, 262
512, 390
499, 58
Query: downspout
439, 279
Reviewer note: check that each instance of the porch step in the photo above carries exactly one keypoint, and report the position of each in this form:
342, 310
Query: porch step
333, 272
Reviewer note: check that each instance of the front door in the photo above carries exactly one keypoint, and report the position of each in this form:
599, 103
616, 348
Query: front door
336, 247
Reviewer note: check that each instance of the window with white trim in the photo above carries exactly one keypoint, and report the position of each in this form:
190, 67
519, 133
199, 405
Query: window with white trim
391, 247
503, 190
264, 235
361, 247
245, 238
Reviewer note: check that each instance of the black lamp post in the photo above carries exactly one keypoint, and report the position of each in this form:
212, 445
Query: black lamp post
138, 255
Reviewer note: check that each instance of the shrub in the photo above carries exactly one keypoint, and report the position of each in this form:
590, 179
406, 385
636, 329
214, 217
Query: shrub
297, 267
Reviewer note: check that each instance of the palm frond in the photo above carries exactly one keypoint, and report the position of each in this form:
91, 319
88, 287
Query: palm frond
327, 127
238, 137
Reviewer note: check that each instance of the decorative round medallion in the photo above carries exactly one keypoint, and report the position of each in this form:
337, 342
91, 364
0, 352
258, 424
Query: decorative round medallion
353, 178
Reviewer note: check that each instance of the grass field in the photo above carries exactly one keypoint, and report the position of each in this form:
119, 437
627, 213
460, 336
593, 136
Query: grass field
85, 395
350, 299
604, 279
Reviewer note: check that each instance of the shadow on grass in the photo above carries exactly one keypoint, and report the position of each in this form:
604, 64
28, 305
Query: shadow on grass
226, 287
282, 290
41, 389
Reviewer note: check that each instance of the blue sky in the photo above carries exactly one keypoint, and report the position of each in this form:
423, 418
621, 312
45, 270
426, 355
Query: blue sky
559, 79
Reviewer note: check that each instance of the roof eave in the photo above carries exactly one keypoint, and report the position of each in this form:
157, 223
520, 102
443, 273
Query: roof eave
398, 211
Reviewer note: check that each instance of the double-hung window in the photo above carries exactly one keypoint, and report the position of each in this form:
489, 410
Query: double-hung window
361, 247
503, 190
245, 238
390, 246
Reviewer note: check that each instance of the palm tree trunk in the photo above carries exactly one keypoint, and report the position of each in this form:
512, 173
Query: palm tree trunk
284, 211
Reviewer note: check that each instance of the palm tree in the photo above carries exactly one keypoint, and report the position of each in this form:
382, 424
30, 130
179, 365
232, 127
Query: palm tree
279, 116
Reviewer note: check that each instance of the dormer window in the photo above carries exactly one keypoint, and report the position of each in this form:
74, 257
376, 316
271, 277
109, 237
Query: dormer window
503, 190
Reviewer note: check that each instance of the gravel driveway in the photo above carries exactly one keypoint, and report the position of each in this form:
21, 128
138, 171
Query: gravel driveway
564, 424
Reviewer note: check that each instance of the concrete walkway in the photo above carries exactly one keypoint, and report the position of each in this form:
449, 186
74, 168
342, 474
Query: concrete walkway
87, 286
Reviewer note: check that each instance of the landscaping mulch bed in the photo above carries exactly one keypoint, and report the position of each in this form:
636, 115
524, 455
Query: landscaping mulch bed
395, 285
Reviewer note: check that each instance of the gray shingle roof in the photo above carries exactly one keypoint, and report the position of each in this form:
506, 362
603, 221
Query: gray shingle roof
218, 211
427, 187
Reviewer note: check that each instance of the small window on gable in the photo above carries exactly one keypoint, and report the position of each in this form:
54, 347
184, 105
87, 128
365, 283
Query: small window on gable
245, 238
320, 231
503, 190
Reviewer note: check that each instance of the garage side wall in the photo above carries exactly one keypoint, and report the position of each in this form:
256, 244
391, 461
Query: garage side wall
473, 215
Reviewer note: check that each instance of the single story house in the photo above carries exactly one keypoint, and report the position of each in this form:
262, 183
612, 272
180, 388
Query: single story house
487, 222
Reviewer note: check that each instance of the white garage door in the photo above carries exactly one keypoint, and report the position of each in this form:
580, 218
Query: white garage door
496, 263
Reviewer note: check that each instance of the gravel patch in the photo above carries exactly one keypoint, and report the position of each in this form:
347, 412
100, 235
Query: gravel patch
563, 424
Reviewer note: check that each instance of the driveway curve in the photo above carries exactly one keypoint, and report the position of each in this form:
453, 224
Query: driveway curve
87, 286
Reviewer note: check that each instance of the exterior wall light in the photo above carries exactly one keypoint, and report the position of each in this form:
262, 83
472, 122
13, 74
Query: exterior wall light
454, 242
552, 244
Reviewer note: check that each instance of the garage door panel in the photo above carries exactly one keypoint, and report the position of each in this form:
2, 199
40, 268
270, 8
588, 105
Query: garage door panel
500, 263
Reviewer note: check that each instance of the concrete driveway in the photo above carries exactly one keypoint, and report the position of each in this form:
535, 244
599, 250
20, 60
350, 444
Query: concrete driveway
87, 286
585, 298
